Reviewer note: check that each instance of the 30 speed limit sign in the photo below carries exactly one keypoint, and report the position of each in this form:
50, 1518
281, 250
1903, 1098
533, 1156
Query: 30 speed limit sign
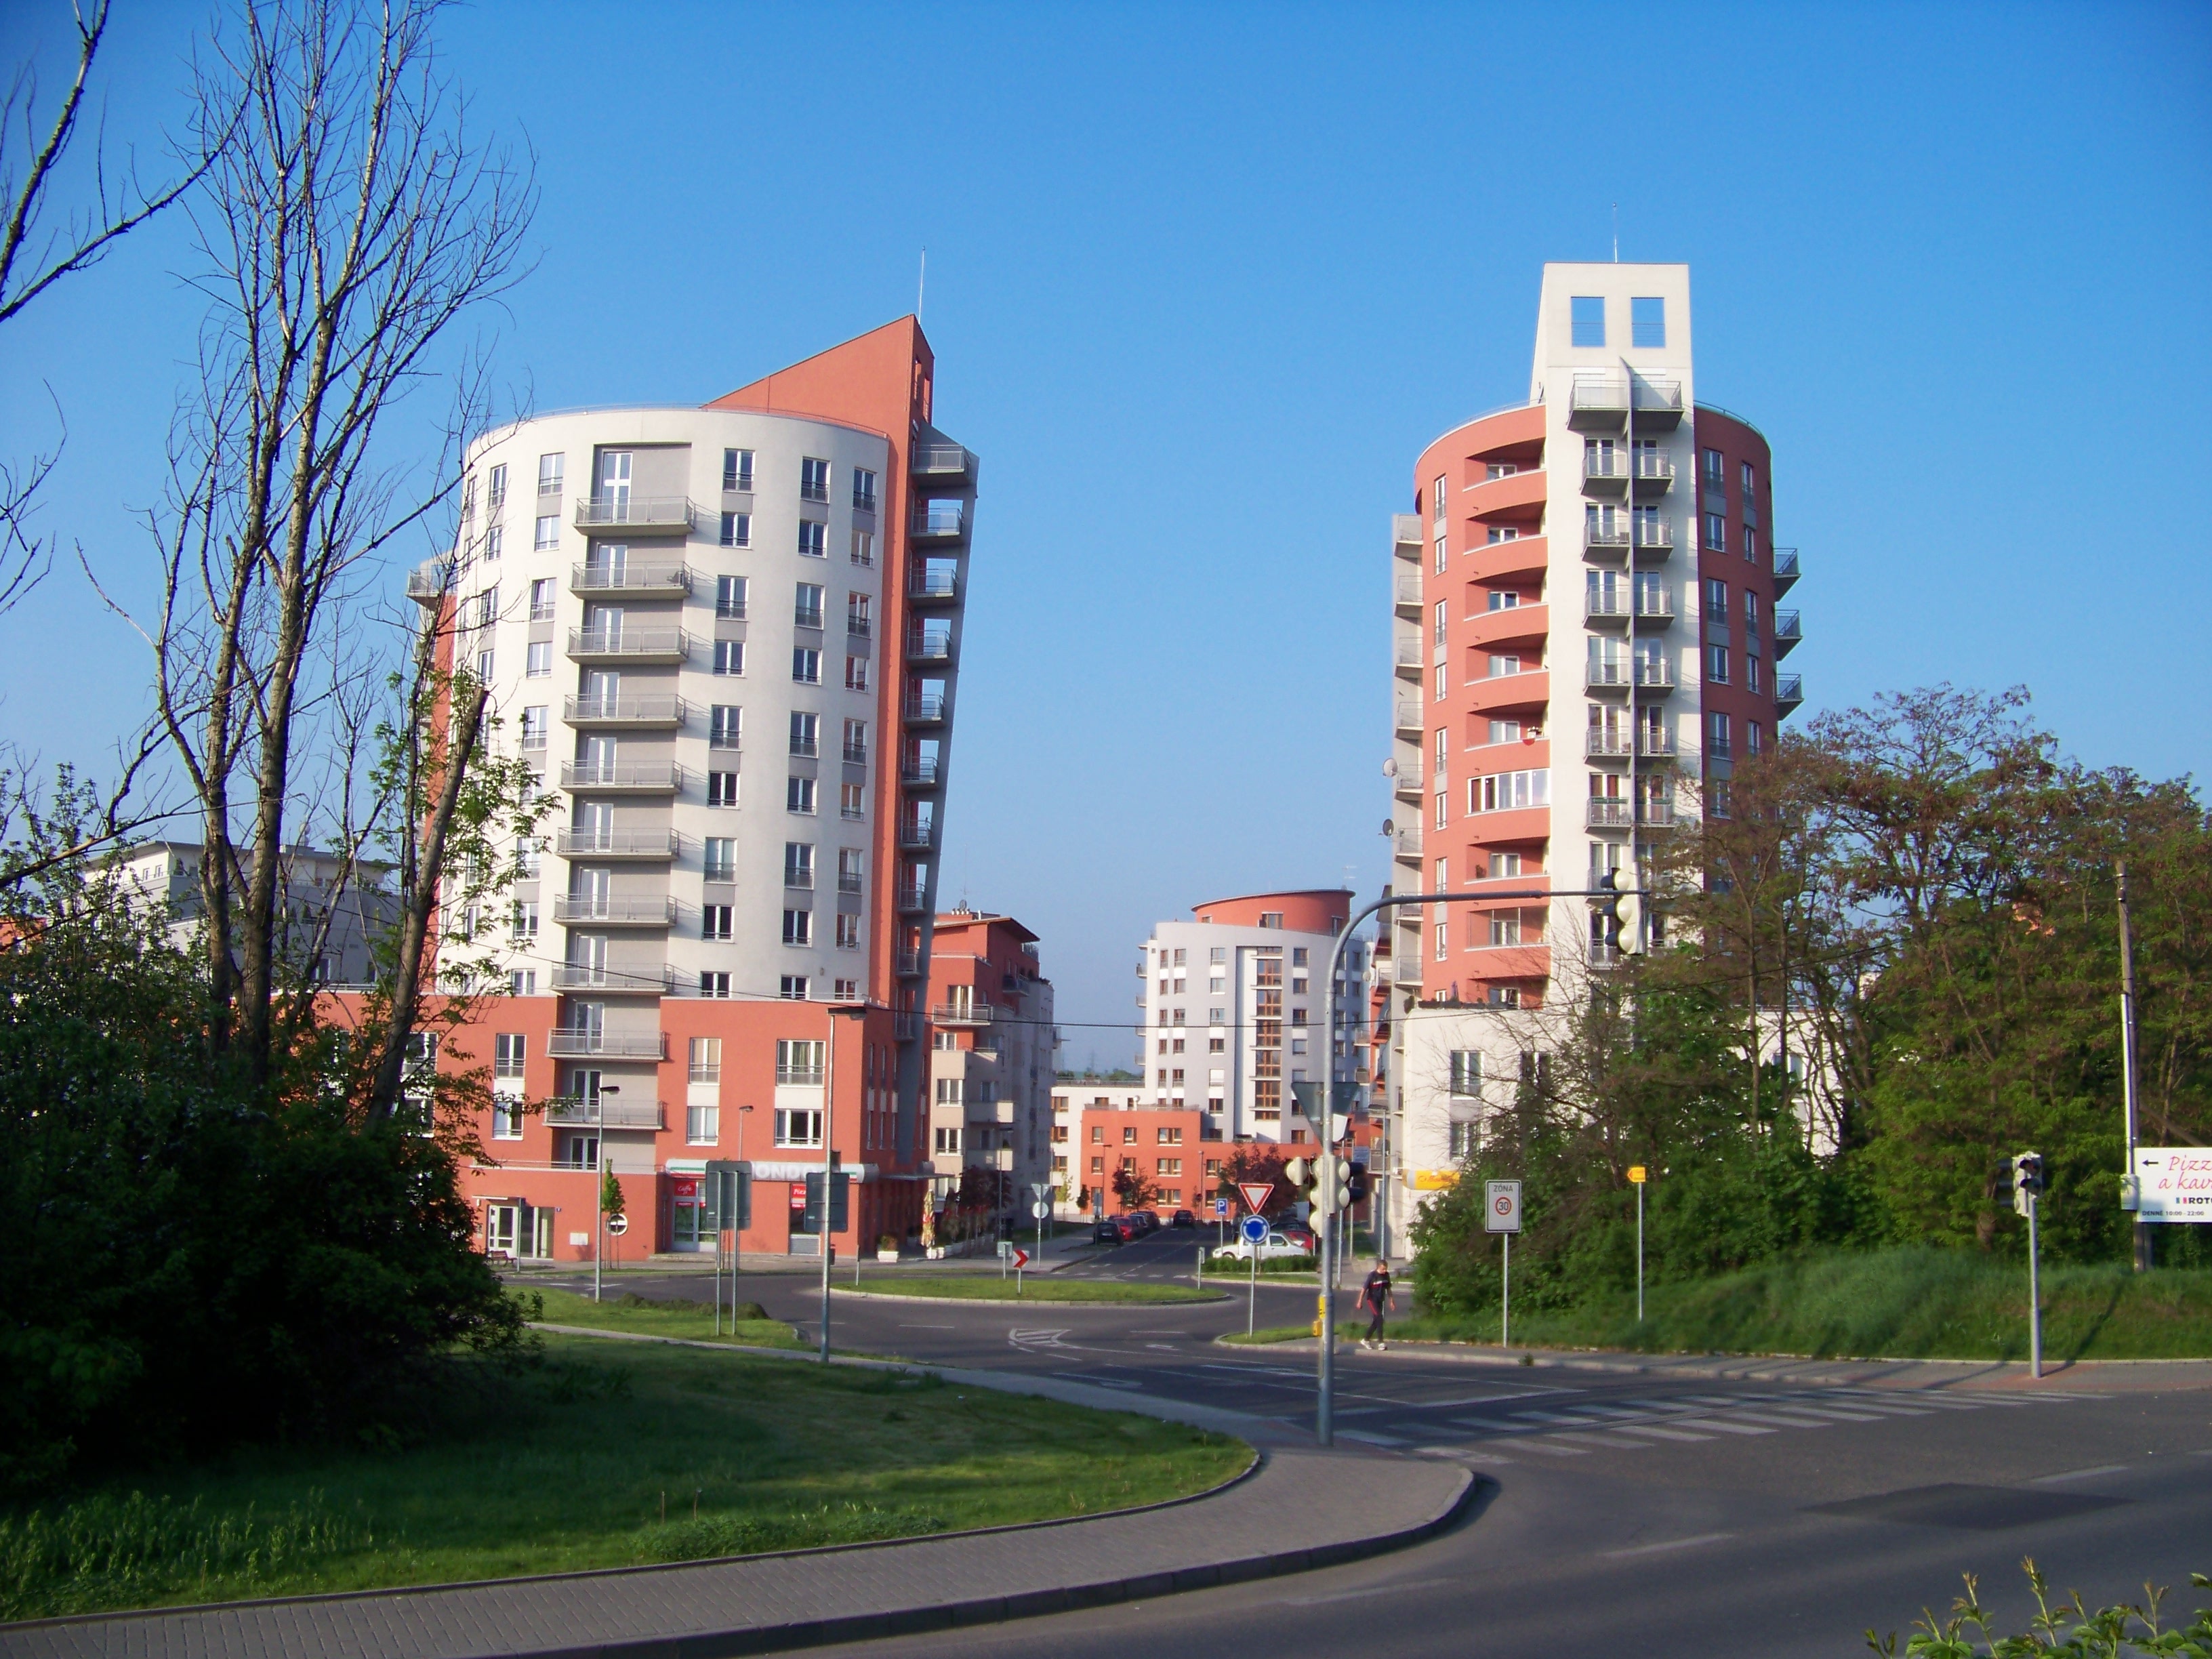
1502, 1208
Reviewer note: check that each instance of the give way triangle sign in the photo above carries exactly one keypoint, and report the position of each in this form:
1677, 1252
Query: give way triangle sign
1256, 1193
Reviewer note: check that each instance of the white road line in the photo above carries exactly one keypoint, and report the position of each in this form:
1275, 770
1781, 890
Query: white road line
1671, 1544
1621, 1411
1370, 1438
1485, 1399
1551, 1416
1726, 1425
1832, 1411
1663, 1434
2078, 1475
1590, 1440
1546, 1447
1780, 1421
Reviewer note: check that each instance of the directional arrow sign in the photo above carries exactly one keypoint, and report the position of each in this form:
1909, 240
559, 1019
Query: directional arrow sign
1021, 1258
1256, 1193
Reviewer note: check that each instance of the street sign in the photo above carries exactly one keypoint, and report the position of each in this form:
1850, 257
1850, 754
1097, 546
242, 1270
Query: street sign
1005, 1249
618, 1223
1502, 1213
1040, 1209
1636, 1173
2176, 1183
1255, 1228
1220, 1208
1040, 1190
1021, 1258
1256, 1193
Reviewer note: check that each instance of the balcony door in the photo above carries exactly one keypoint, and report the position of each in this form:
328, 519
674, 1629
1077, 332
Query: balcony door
595, 757
587, 953
605, 561
604, 623
613, 488
593, 825
602, 691
588, 1020
588, 890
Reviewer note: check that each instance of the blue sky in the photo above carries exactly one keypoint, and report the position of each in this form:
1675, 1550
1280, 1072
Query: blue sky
1204, 279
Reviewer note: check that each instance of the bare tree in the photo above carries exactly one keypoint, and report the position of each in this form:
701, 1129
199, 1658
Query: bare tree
350, 219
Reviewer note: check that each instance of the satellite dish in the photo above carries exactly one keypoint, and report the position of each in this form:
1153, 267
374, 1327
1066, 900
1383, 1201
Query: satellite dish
1391, 767
1388, 827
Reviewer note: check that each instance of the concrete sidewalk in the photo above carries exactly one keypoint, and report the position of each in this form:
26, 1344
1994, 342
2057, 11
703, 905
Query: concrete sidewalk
1264, 1524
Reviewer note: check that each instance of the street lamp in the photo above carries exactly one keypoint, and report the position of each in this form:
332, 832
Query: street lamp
859, 1011
600, 1179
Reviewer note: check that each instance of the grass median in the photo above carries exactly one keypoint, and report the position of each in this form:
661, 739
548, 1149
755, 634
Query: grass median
1915, 1303
983, 1287
599, 1456
660, 1316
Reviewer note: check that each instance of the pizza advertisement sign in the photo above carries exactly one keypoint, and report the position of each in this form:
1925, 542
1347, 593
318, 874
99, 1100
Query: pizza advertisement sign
2176, 1183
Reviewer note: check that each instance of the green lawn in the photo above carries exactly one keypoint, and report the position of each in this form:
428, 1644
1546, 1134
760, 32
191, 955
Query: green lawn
989, 1287
652, 1316
606, 1454
1900, 1304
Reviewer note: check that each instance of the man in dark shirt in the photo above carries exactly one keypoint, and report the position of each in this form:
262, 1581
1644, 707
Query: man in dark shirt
1376, 1296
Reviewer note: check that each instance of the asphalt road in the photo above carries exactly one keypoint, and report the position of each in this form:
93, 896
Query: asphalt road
1622, 1514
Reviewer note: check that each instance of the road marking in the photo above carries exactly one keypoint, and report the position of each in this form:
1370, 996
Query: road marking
1160, 1347
1485, 1399
1608, 1410
1780, 1421
1671, 1544
1590, 1440
1370, 1438
1100, 1381
2078, 1475
1726, 1426
1553, 1417
929, 1327
1831, 1411
1555, 1451
1654, 1429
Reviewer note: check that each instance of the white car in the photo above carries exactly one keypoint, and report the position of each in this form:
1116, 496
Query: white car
1271, 1247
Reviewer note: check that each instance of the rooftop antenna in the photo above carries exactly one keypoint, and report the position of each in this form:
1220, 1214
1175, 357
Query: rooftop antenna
1616, 233
922, 281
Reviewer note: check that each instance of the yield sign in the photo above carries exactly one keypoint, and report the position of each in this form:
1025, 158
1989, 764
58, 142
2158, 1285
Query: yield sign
1256, 1193
1021, 1258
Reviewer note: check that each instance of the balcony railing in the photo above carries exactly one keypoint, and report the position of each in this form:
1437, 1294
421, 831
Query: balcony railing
1657, 398
909, 962
662, 514
859, 628
919, 774
1605, 466
1603, 957
848, 881
640, 982
631, 576
1406, 538
1655, 674
1654, 606
1654, 535
856, 751
1654, 466
1658, 745
917, 837
911, 899
630, 779
629, 644
1655, 814
962, 1013
906, 1025
600, 1045
1601, 814
1407, 843
1788, 632
615, 843
928, 646
1605, 539
1785, 569
622, 711
1597, 402
1407, 717
940, 520
1605, 745
615, 912
1407, 654
1788, 692
802, 1077
934, 586
925, 710
429, 580
939, 461
1607, 676
798, 877
604, 1114
1409, 596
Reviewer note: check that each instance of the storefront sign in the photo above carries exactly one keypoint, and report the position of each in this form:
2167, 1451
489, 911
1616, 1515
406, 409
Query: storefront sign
1434, 1181
683, 1189
2177, 1182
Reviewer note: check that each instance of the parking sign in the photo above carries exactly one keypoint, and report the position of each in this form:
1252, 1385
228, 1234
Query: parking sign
1502, 1210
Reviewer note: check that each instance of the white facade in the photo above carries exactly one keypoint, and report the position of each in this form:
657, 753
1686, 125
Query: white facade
1071, 1097
1233, 1015
329, 914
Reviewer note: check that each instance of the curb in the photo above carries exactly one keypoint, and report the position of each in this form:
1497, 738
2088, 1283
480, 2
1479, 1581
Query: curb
1019, 1302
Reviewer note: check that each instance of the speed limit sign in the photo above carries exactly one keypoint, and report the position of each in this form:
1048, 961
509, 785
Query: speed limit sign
1502, 1207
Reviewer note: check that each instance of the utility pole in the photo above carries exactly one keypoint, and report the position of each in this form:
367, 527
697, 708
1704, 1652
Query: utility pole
2133, 1190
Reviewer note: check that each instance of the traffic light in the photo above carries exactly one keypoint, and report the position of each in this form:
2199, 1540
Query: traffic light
1608, 910
2026, 1179
1355, 1185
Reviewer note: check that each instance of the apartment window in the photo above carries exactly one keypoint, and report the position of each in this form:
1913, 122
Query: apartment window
1504, 599
948, 1140
1443, 558
1271, 917
1747, 477
737, 530
859, 614
541, 599
806, 732
549, 533
814, 479
522, 921
1716, 468
1443, 687
496, 493
534, 726
538, 660
799, 795
1754, 676
1750, 543
1466, 1072
1440, 498
729, 657
813, 539
799, 864
549, 474
1717, 533
1751, 737
806, 605
1505, 927
1505, 791
1219, 953
527, 859
1750, 612
950, 1090
791, 987
1444, 940
1463, 1141
721, 858
806, 666
1500, 667
713, 985
1717, 736
1443, 753
1443, 808
737, 469
798, 1126
721, 788
856, 674
845, 990
864, 547
523, 982
1586, 316
849, 800
1443, 622
864, 490
798, 927
1647, 324
1717, 605
495, 541
856, 742
1716, 798
1505, 731
714, 921
509, 1050
1717, 664
483, 667
702, 1125
848, 932
725, 726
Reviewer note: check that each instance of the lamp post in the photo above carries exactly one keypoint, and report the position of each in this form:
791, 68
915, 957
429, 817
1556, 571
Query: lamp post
858, 1010
599, 1179
1324, 1426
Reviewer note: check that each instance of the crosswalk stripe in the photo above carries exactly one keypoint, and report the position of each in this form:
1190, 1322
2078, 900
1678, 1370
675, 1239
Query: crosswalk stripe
1726, 1423
1832, 1411
1780, 1421
1555, 1451
1662, 1433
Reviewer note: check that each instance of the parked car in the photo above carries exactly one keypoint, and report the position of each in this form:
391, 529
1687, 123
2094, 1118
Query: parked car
1183, 1219
1272, 1247
1106, 1232
1144, 1220
1127, 1227
1299, 1233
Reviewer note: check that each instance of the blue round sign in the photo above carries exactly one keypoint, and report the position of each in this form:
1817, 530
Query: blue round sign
1254, 1229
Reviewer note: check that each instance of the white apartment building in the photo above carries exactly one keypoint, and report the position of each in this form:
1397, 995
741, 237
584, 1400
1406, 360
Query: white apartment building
330, 913
1232, 1011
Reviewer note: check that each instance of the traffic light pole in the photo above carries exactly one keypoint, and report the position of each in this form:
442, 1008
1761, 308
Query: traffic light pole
2035, 1299
1608, 894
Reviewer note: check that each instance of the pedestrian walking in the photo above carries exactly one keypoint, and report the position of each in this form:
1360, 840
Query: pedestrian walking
1376, 1296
